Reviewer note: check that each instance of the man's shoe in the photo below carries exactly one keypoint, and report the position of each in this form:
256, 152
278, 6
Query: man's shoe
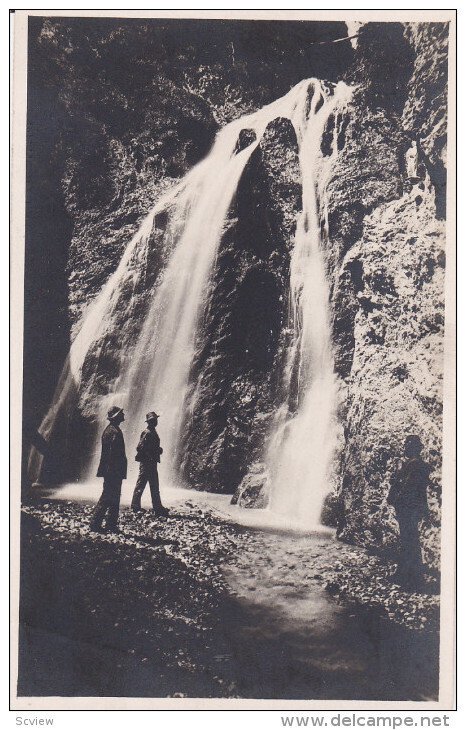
96, 528
137, 509
161, 512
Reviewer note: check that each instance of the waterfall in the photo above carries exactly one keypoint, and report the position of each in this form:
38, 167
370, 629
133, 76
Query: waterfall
157, 375
303, 439
155, 368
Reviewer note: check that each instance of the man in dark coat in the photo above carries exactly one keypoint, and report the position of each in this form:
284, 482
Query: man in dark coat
408, 495
148, 455
112, 468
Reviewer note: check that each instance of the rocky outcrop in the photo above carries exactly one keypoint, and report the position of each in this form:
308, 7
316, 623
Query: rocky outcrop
109, 190
425, 111
254, 490
394, 387
370, 167
368, 173
387, 299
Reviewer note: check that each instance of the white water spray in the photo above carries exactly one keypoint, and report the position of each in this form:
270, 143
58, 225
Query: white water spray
304, 434
156, 369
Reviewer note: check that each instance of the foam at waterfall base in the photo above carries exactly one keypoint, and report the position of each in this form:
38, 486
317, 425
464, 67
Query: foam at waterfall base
88, 492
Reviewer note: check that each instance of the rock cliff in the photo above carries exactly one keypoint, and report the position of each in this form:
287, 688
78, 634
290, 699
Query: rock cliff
388, 274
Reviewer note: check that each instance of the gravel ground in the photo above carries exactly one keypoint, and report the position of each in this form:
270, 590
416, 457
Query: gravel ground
197, 606
366, 580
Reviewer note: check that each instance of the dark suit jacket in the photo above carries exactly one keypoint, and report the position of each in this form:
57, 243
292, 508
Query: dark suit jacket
148, 448
408, 491
113, 462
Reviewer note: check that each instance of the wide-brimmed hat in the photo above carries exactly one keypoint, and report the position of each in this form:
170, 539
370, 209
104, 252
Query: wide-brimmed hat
114, 411
151, 416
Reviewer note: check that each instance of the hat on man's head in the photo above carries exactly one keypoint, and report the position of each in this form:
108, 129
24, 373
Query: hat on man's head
413, 444
114, 411
151, 416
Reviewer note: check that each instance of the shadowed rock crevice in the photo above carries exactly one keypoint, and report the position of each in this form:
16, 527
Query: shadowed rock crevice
256, 321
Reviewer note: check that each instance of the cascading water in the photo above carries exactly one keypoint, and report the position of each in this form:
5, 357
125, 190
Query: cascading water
155, 367
304, 434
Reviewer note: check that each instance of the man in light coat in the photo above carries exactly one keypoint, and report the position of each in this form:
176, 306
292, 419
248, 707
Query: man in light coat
148, 455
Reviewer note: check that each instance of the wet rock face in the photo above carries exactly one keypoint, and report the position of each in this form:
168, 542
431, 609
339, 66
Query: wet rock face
110, 354
368, 172
425, 112
254, 490
371, 143
108, 196
394, 386
383, 66
386, 260
370, 168
246, 137
235, 376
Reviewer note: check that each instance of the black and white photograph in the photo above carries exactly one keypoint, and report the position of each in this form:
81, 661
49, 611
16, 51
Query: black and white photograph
233, 262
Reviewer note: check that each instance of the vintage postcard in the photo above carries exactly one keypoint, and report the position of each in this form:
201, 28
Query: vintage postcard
233, 265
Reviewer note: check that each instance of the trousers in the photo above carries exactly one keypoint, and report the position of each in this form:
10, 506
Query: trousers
108, 505
147, 473
410, 564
